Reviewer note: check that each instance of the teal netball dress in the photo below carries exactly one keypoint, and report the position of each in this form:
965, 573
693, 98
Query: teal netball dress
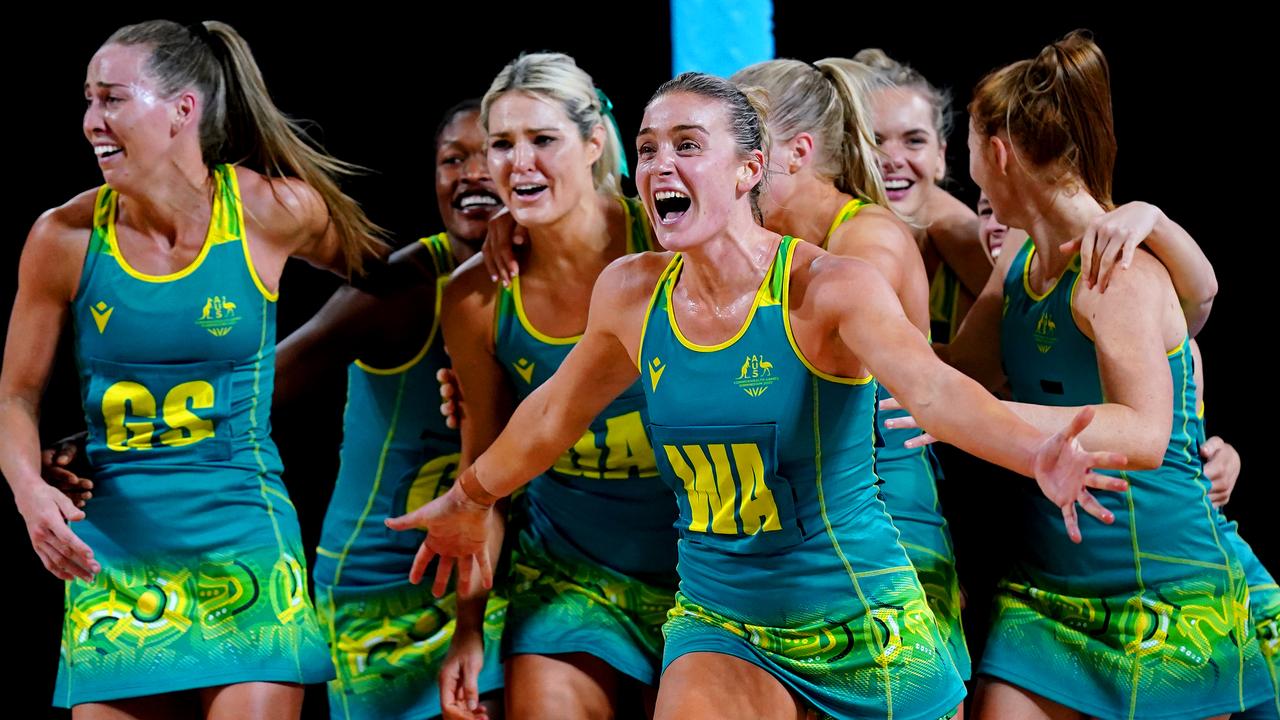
596, 553
788, 559
388, 637
909, 488
204, 580
1149, 617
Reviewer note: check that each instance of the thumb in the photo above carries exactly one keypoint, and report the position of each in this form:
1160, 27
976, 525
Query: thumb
1070, 247
408, 521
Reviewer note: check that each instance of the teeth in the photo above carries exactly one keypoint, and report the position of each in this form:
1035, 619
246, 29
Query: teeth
669, 195
897, 184
473, 200
101, 150
528, 188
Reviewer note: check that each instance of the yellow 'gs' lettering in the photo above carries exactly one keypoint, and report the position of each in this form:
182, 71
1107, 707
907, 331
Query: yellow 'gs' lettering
185, 427
119, 401
713, 495
130, 398
629, 451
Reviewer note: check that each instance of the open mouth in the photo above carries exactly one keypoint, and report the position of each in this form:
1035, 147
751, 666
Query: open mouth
528, 191
671, 205
476, 201
106, 151
897, 188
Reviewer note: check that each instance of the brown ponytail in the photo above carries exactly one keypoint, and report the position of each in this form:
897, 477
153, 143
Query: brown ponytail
1056, 108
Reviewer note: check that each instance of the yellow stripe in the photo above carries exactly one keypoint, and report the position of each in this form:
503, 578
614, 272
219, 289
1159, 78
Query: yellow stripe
791, 338
327, 553
867, 621
333, 649
280, 495
923, 549
528, 326
1026, 277
1141, 629
653, 299
1184, 561
886, 571
377, 481
431, 337
244, 237
114, 244
855, 205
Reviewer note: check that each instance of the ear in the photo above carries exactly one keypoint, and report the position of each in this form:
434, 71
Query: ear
595, 143
799, 152
751, 172
999, 153
184, 111
941, 172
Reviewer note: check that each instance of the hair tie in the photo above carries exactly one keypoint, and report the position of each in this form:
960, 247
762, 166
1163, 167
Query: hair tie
606, 109
201, 33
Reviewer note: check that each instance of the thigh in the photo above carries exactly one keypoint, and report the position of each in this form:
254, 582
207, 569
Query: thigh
998, 700
569, 686
252, 701
714, 686
150, 707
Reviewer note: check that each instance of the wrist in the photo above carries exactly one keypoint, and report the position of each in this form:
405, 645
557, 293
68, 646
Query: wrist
468, 484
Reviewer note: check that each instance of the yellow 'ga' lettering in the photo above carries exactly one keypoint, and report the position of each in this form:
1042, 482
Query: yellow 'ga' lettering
429, 483
629, 451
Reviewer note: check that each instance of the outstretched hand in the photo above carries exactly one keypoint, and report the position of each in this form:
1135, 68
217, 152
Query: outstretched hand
1064, 472
457, 528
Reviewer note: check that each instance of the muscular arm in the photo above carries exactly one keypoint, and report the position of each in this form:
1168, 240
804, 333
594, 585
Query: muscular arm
47, 278
954, 231
1130, 325
877, 237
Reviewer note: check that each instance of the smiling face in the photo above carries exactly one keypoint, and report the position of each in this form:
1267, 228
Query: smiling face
990, 230
538, 160
913, 158
464, 191
129, 125
690, 172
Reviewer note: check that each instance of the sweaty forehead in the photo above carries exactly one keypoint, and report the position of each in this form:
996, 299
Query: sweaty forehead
118, 65
685, 110
519, 110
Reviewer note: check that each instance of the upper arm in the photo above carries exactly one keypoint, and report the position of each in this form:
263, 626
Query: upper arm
1130, 325
288, 218
48, 276
879, 238
954, 230
467, 316
975, 349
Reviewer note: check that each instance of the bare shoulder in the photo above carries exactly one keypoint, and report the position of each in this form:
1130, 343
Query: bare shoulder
873, 226
826, 276
630, 279
1145, 279
58, 241
470, 286
282, 207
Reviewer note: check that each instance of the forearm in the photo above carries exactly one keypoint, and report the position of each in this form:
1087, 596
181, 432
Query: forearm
1115, 427
20, 444
1193, 277
542, 427
986, 428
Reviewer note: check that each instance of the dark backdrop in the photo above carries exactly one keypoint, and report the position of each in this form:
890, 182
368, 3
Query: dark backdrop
1193, 134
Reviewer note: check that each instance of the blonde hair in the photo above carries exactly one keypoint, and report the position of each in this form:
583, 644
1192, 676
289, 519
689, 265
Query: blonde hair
240, 124
827, 100
904, 76
555, 76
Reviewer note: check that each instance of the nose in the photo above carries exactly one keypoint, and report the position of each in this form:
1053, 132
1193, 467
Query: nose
522, 157
93, 123
475, 168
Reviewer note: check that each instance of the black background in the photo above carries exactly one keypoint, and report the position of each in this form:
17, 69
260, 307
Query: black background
1189, 97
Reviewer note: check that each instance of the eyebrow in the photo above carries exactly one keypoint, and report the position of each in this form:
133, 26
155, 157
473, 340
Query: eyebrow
677, 128
105, 85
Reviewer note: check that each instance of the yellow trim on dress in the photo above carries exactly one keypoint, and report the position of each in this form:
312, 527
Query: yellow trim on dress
1026, 276
751, 314
113, 244
791, 338
653, 300
854, 204
537, 334
244, 238
441, 281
